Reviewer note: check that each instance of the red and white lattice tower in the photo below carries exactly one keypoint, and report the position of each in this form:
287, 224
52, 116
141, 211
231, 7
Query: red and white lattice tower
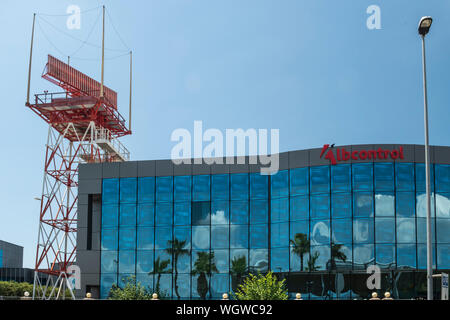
84, 125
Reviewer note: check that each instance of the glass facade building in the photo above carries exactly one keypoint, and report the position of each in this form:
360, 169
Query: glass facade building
319, 226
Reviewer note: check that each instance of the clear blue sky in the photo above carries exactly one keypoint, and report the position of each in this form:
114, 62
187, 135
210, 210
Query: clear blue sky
309, 68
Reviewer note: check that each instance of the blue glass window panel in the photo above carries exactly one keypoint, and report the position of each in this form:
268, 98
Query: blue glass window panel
200, 237
320, 206
109, 262
163, 236
127, 261
183, 234
406, 204
320, 232
295, 261
127, 215
195, 257
422, 230
182, 188
201, 188
110, 191
201, 213
443, 230
128, 190
220, 212
421, 205
259, 236
144, 261
279, 236
184, 286
166, 285
182, 213
163, 256
220, 187
259, 212
219, 284
386, 255
443, 256
220, 237
341, 205
406, 255
195, 294
145, 238
146, 214
363, 255
363, 204
421, 179
324, 253
110, 215
239, 212
259, 260
239, 186
258, 186
422, 256
342, 231
146, 189
106, 282
280, 210
442, 177
404, 176
164, 189
299, 208
163, 213
127, 238
362, 174
110, 239
384, 204
124, 278
236, 254
385, 230
406, 230
320, 179
299, 181
279, 259
184, 263
239, 236
221, 260
384, 176
280, 184
146, 280
341, 180
363, 230
443, 205
299, 227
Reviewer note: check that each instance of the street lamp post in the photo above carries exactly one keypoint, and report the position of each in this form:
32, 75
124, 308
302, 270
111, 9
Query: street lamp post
424, 27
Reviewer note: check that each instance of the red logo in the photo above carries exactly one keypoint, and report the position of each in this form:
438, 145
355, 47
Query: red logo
343, 155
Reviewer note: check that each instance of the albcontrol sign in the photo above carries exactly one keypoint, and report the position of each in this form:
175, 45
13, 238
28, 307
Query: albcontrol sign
335, 155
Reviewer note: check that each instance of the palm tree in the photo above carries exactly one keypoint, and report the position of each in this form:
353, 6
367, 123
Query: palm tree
312, 262
203, 266
176, 249
238, 269
158, 268
336, 254
300, 246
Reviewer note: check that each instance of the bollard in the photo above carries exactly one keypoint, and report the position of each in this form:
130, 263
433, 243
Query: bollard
225, 296
155, 296
298, 296
374, 296
88, 296
387, 296
26, 296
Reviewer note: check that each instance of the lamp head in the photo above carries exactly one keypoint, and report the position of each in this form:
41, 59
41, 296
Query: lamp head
424, 25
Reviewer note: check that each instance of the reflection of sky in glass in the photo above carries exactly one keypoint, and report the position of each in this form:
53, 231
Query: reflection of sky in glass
219, 217
421, 204
384, 205
406, 230
200, 237
320, 233
258, 259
